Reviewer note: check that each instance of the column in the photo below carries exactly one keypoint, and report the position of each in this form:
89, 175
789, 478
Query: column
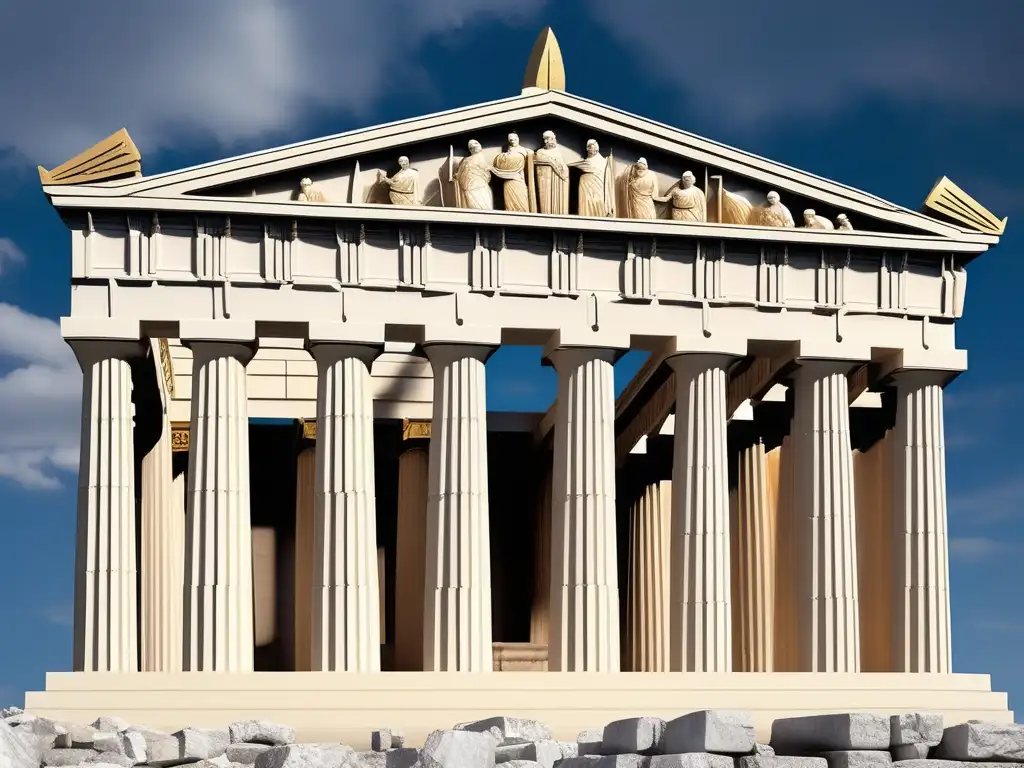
785, 638
457, 588
346, 597
753, 533
700, 610
540, 608
162, 559
921, 624
825, 520
305, 509
584, 618
648, 600
218, 610
410, 558
106, 630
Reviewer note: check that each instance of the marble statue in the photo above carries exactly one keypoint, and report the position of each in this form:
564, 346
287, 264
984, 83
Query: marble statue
473, 180
814, 221
310, 194
597, 182
773, 214
404, 186
511, 166
552, 176
641, 191
843, 223
688, 200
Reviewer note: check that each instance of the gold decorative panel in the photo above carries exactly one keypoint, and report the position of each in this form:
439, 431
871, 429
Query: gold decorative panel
179, 436
412, 430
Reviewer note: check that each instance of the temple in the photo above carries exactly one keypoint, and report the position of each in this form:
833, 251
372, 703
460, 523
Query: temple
294, 502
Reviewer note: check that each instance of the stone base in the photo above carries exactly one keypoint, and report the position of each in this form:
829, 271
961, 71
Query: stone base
346, 707
520, 657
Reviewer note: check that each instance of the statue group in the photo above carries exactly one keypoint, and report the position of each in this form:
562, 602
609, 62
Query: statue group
539, 181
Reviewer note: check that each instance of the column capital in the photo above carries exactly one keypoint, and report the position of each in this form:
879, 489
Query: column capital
567, 358
442, 352
330, 352
208, 349
688, 363
924, 366
814, 368
90, 351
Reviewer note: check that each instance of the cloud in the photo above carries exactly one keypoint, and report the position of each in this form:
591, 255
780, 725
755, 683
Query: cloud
975, 548
10, 253
40, 400
233, 70
753, 61
59, 614
992, 502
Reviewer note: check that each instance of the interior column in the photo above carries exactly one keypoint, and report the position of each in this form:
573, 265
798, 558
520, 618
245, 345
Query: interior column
305, 511
457, 591
648, 599
410, 557
106, 630
584, 619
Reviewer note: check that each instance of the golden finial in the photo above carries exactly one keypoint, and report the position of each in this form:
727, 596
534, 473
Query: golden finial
951, 201
545, 69
113, 157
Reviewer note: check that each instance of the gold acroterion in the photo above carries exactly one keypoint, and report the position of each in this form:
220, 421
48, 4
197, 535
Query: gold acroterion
113, 157
545, 69
949, 200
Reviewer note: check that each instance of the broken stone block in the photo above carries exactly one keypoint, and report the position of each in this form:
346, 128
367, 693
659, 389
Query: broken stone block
724, 731
521, 764
110, 724
910, 752
915, 728
858, 758
111, 758
544, 752
76, 737
308, 756
932, 764
787, 761
40, 731
977, 740
106, 741
692, 760
20, 750
6, 712
261, 732
134, 746
633, 735
509, 730
826, 733
384, 739
163, 750
63, 756
583, 761
372, 758
764, 750
589, 742
245, 754
402, 757
467, 748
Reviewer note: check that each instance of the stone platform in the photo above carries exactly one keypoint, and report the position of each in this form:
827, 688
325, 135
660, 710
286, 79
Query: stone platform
347, 707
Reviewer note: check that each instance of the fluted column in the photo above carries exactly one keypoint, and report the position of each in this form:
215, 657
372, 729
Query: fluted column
106, 630
584, 619
305, 512
162, 559
540, 608
346, 597
648, 599
753, 533
218, 608
825, 520
457, 589
410, 558
700, 590
921, 624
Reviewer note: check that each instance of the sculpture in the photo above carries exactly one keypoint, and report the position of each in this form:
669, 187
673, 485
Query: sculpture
843, 223
641, 191
403, 187
814, 221
597, 182
552, 177
310, 194
473, 180
688, 200
773, 214
510, 166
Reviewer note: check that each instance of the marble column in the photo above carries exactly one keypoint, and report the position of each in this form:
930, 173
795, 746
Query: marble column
218, 610
410, 558
584, 618
305, 510
826, 538
106, 629
162, 559
921, 624
457, 588
753, 533
346, 598
647, 602
873, 495
785, 638
540, 608
700, 601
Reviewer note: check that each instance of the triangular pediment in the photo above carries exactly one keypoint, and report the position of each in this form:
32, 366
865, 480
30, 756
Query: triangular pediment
345, 169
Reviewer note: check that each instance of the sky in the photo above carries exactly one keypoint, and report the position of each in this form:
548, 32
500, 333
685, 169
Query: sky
880, 95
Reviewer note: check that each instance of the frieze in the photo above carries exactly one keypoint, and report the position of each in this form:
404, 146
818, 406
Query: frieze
180, 440
167, 367
413, 429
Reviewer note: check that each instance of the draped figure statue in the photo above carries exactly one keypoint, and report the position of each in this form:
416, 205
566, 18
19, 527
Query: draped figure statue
552, 176
511, 167
814, 221
403, 187
597, 182
774, 214
310, 194
641, 191
688, 200
843, 223
473, 180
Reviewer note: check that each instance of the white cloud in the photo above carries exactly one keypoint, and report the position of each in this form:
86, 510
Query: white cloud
991, 502
753, 61
229, 70
10, 253
58, 614
40, 400
975, 548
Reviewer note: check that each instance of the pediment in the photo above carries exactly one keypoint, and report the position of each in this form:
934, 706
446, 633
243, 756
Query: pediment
344, 169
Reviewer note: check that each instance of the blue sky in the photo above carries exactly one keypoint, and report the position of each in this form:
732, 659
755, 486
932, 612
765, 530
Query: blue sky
881, 95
